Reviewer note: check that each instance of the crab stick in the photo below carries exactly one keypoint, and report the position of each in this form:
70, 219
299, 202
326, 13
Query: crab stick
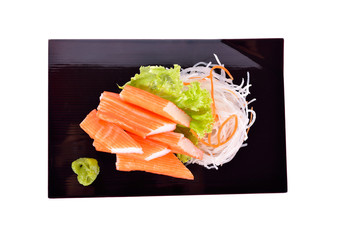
168, 165
130, 117
178, 144
100, 147
150, 148
155, 104
91, 124
108, 135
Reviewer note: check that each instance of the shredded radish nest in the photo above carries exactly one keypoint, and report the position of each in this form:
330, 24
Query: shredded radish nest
230, 103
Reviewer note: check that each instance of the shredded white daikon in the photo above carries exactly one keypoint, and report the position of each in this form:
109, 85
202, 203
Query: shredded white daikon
230, 99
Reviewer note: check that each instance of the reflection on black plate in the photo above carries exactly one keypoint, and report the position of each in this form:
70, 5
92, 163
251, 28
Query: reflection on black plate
79, 70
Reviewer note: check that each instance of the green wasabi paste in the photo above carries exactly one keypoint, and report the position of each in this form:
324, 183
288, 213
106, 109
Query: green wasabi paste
87, 170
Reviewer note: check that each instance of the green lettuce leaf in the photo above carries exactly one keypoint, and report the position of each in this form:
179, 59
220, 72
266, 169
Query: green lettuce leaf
188, 134
166, 83
183, 158
160, 81
196, 102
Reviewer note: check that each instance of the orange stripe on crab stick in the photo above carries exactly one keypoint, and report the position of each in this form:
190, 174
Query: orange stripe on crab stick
110, 136
117, 140
91, 124
151, 149
100, 147
168, 165
155, 104
130, 117
178, 144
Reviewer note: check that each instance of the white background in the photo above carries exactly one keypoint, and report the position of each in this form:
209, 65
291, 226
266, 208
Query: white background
308, 211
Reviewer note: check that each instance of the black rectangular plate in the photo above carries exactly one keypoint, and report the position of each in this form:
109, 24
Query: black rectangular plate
79, 70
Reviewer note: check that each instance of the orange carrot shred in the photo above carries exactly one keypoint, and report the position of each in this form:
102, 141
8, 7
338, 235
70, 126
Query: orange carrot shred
212, 87
215, 116
202, 141
223, 124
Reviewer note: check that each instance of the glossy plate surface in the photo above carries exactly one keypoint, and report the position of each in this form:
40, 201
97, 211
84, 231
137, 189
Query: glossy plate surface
79, 70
